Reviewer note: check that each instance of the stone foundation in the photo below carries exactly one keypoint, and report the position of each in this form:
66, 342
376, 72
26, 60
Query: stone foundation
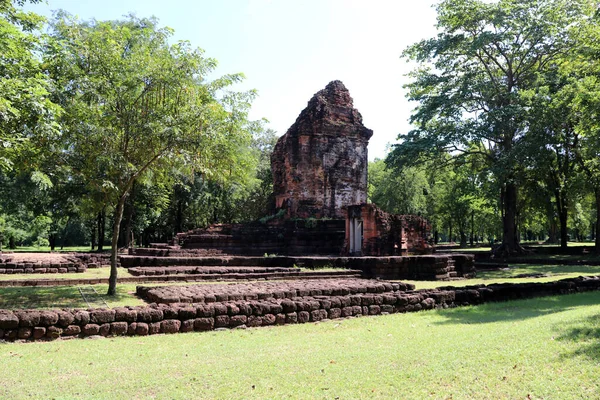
40, 268
433, 267
282, 237
205, 316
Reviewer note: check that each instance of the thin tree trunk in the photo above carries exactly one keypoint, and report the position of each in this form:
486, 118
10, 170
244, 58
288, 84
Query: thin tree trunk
93, 236
552, 231
52, 241
101, 228
509, 228
129, 210
597, 249
561, 204
64, 234
112, 280
472, 238
463, 238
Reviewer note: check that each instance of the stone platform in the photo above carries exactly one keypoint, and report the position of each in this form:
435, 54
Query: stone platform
334, 301
266, 290
430, 267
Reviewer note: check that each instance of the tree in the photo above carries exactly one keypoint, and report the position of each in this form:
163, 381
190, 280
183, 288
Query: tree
583, 69
137, 107
26, 112
470, 81
398, 193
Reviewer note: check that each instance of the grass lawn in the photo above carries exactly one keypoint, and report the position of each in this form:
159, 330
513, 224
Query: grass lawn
540, 348
554, 272
90, 273
46, 249
63, 297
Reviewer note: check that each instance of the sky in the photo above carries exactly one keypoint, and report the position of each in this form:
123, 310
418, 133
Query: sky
290, 49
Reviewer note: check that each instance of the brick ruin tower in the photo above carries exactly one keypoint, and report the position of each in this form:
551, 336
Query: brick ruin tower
320, 164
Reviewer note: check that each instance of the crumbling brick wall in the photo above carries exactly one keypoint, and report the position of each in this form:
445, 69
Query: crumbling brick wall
320, 164
387, 234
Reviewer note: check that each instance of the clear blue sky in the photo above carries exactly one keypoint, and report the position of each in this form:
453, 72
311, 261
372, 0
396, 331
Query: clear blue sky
290, 49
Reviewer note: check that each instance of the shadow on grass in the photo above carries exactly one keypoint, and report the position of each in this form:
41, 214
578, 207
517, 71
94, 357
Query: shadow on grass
518, 269
517, 310
55, 297
586, 334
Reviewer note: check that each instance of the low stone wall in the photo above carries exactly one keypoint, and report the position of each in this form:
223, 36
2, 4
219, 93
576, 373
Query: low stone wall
154, 271
182, 317
266, 290
173, 252
94, 260
430, 267
40, 268
426, 267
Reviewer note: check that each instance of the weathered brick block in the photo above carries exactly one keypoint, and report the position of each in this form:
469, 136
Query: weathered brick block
118, 328
170, 326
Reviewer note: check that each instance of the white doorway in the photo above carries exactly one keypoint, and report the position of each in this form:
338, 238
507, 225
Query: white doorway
356, 236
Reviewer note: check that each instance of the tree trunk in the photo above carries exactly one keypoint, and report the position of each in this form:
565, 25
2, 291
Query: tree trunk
510, 240
472, 238
93, 236
597, 249
101, 229
561, 204
114, 249
463, 238
552, 238
179, 217
129, 210
52, 241
64, 234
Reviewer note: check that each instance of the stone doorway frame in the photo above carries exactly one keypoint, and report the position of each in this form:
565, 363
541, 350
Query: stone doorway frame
355, 236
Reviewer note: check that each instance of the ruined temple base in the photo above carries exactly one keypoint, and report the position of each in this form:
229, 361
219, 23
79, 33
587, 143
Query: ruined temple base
428, 267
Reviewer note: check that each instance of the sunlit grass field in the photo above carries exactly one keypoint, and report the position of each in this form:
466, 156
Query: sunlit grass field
540, 348
46, 249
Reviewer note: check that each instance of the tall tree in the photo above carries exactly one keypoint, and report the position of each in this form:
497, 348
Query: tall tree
470, 81
137, 106
583, 68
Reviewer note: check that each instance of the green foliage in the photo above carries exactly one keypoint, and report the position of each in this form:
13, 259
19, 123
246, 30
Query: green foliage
474, 86
27, 115
279, 215
137, 107
398, 192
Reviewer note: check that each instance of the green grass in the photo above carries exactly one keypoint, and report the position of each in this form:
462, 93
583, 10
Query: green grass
90, 273
48, 297
540, 348
480, 249
554, 272
574, 257
46, 249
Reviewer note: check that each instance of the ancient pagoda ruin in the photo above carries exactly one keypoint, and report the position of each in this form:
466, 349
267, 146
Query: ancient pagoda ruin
319, 169
320, 165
